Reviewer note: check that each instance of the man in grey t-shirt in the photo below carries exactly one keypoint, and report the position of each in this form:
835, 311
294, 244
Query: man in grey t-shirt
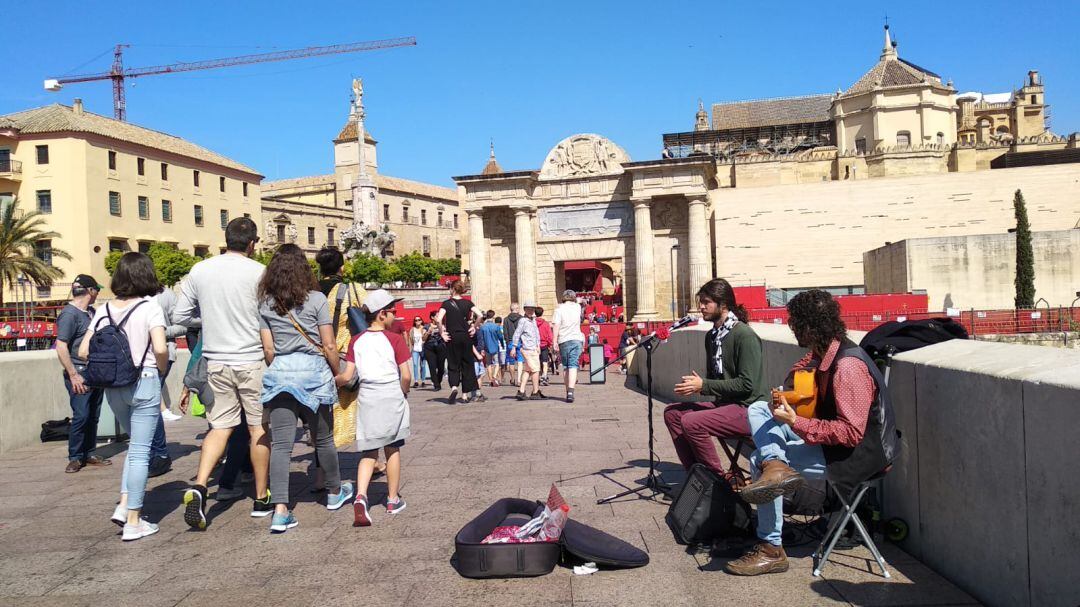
71, 326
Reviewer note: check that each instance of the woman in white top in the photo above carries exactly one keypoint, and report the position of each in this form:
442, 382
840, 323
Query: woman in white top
136, 406
415, 338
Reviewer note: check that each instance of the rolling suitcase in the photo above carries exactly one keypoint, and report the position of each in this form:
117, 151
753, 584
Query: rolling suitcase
706, 508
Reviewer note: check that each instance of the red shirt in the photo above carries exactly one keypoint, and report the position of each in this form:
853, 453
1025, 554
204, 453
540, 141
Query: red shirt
547, 336
854, 390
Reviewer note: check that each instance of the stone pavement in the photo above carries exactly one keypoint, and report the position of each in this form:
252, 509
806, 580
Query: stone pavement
57, 546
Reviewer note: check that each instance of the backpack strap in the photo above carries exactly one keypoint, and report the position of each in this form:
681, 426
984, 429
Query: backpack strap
120, 327
342, 293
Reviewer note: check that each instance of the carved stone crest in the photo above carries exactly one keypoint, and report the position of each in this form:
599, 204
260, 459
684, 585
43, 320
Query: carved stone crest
583, 155
670, 214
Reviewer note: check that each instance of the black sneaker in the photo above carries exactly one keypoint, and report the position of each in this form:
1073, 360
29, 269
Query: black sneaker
453, 395
537, 396
521, 396
569, 396
544, 381
263, 507
159, 466
195, 507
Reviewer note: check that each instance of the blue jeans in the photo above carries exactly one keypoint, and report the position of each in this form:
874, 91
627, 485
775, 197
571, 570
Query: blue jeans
159, 448
137, 408
419, 367
777, 441
85, 413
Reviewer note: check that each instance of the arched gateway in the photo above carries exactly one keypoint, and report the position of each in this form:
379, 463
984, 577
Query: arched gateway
590, 214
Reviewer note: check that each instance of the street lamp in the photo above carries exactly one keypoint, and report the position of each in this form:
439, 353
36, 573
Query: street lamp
674, 283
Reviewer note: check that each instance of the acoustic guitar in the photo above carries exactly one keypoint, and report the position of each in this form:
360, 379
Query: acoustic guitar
803, 395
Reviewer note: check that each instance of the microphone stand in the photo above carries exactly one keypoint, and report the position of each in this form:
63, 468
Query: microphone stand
652, 480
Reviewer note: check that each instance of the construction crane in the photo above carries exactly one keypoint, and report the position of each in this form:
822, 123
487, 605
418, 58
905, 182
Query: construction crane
118, 74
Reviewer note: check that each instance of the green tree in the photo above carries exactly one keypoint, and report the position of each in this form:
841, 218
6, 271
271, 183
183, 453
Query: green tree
20, 236
1025, 258
111, 260
450, 266
417, 268
170, 263
366, 268
266, 255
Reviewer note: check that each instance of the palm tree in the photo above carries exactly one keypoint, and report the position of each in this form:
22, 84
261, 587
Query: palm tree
19, 234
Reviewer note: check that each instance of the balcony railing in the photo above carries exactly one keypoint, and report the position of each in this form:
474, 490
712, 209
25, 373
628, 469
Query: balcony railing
10, 166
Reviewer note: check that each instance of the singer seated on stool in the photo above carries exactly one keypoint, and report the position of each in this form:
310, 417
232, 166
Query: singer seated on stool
851, 436
734, 378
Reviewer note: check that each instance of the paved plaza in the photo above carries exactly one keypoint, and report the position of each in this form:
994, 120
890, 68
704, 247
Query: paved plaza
57, 546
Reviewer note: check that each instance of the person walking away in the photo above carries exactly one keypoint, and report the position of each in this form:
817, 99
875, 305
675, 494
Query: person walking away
491, 338
479, 353
380, 360
140, 321
434, 352
160, 460
455, 319
509, 325
528, 335
501, 359
414, 338
568, 338
222, 292
547, 337
301, 354
71, 326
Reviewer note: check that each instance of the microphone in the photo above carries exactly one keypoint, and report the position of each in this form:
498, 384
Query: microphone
682, 322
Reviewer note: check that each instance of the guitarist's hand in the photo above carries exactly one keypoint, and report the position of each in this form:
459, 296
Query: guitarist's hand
783, 412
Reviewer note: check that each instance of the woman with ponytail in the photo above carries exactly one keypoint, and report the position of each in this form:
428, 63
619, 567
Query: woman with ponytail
734, 379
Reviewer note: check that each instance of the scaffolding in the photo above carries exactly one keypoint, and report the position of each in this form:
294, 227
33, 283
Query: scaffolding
771, 139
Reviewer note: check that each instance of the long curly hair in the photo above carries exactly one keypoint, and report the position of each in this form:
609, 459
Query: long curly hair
287, 280
814, 317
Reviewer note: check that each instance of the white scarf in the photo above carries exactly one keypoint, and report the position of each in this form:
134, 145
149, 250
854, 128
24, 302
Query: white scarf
721, 333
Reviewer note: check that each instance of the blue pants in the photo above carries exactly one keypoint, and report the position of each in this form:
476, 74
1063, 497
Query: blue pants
419, 367
85, 412
137, 408
777, 441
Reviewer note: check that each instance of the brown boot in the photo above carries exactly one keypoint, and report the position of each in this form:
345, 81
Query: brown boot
762, 558
777, 479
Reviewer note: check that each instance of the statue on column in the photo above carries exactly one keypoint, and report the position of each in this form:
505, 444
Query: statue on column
367, 234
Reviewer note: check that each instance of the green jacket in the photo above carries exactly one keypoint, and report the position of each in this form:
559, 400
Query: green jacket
743, 380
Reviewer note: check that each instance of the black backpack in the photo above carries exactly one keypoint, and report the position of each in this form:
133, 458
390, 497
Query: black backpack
910, 335
109, 364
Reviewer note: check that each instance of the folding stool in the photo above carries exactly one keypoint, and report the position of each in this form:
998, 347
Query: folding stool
839, 520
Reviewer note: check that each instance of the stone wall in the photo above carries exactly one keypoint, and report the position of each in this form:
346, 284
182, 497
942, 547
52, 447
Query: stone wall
814, 234
985, 477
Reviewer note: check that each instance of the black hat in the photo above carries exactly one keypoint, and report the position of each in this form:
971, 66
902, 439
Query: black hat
87, 282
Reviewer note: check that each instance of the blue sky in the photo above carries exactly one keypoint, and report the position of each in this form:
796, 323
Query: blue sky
524, 73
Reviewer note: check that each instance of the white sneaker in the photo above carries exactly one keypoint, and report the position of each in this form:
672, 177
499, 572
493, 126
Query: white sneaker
119, 515
169, 416
139, 531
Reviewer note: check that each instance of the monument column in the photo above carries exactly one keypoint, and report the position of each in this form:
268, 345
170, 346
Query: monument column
700, 266
644, 267
478, 273
525, 250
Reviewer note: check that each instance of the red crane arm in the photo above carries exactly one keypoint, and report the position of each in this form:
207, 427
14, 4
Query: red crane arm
312, 51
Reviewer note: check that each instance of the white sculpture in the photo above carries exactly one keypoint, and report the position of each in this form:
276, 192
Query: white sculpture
367, 234
583, 155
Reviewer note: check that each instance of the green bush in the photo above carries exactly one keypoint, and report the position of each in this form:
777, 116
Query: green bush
366, 268
170, 263
415, 267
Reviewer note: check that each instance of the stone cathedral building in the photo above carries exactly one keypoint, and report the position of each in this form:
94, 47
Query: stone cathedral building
789, 193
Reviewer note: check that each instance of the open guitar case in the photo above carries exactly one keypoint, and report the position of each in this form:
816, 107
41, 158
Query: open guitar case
474, 559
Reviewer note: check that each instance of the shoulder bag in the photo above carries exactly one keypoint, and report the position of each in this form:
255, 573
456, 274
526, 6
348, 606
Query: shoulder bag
344, 410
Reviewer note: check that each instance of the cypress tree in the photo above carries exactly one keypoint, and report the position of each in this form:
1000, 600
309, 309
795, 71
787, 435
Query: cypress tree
1025, 258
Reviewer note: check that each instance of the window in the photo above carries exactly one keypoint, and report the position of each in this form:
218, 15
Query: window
144, 246
144, 207
42, 154
224, 218
457, 249
164, 172
44, 201
405, 214
202, 251
195, 178
281, 232
247, 215
198, 215
860, 148
329, 237
1034, 99
455, 221
243, 186
114, 203
221, 184
903, 139
166, 211
941, 138
386, 212
423, 216
140, 166
427, 246
311, 235
112, 160
118, 245
438, 220
43, 250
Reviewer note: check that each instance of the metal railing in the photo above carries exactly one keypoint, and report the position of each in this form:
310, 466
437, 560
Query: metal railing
10, 166
976, 322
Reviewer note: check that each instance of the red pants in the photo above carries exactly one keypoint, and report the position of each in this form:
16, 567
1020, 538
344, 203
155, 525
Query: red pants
692, 426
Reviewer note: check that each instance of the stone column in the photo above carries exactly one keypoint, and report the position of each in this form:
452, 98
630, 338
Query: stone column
645, 269
700, 266
478, 272
525, 249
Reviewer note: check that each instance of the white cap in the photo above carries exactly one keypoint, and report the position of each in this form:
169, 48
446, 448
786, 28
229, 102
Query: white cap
380, 300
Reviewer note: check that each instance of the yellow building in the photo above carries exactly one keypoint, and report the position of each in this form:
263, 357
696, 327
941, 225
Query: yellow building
107, 185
